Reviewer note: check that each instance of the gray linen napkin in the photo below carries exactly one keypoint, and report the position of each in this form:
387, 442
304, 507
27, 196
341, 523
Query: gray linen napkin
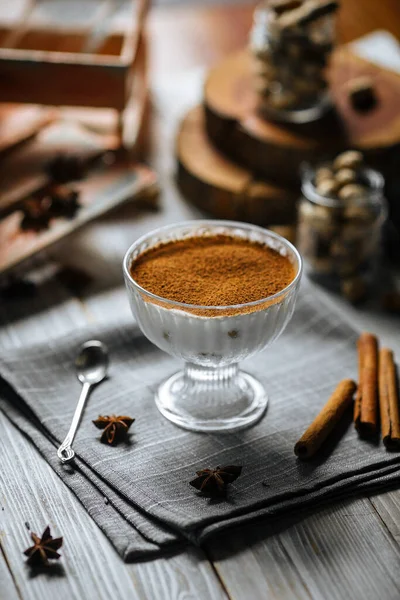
138, 492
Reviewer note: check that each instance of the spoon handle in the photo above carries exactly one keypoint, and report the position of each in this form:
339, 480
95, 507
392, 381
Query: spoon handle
65, 453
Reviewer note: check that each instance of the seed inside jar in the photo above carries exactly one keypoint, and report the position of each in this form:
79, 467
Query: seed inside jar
339, 237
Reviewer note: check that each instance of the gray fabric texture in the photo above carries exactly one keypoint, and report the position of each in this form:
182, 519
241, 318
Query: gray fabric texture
138, 492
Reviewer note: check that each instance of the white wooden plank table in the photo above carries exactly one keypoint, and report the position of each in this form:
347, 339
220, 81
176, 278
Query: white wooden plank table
345, 550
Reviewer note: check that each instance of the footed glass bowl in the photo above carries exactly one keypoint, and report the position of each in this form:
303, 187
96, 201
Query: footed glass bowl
211, 393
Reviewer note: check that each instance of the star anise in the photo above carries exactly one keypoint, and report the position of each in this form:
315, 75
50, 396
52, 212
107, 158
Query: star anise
64, 201
35, 215
115, 428
213, 482
54, 201
18, 288
44, 548
65, 167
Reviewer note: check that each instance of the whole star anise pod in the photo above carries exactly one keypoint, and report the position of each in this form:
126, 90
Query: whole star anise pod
35, 215
213, 482
65, 167
64, 201
43, 549
115, 428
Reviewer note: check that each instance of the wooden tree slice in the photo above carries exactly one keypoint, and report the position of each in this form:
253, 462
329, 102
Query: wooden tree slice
222, 188
276, 151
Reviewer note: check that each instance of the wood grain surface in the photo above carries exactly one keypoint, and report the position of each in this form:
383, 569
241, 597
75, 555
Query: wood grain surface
222, 188
347, 550
314, 557
235, 127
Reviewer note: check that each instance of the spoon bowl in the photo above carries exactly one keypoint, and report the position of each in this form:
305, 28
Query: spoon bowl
91, 364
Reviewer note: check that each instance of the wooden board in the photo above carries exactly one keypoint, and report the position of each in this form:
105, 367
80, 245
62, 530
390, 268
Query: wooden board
222, 188
19, 124
99, 193
276, 151
23, 172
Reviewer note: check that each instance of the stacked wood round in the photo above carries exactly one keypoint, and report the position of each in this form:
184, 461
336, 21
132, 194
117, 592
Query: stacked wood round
234, 164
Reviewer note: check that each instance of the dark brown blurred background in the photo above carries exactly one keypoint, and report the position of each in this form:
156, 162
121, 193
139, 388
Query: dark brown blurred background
208, 30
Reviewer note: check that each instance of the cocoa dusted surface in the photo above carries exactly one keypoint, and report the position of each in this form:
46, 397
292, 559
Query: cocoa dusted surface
215, 270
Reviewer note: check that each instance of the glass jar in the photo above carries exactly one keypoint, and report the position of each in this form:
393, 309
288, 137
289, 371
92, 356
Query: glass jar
341, 240
289, 64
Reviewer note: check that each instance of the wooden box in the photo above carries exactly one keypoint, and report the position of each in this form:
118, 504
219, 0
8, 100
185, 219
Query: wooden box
88, 64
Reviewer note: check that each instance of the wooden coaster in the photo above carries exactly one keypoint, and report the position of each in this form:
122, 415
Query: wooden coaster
276, 151
222, 188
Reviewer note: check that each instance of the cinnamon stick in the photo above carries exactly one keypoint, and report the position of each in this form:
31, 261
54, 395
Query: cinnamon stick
389, 400
366, 402
325, 422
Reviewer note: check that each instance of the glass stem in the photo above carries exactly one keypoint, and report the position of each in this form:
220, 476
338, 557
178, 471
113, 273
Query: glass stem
213, 377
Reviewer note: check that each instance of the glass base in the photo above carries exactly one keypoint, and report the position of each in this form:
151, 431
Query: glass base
212, 400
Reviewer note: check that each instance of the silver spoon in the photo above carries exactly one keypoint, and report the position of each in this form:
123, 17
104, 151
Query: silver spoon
91, 367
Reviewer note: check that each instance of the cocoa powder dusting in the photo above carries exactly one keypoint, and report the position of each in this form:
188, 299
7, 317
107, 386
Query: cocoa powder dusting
217, 270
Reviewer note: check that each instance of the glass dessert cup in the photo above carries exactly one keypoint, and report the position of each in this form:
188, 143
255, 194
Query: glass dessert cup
211, 394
